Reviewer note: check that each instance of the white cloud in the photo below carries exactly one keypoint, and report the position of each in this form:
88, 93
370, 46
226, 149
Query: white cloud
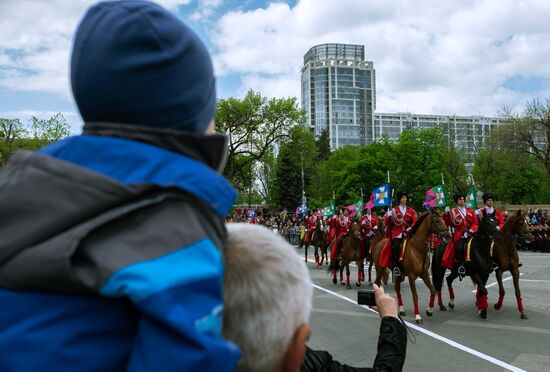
35, 42
205, 9
430, 57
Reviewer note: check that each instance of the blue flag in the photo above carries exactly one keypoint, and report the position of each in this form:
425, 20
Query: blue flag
251, 213
301, 209
382, 195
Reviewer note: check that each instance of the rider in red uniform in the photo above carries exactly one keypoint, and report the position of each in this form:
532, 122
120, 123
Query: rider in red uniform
399, 221
311, 222
464, 223
369, 226
343, 224
332, 223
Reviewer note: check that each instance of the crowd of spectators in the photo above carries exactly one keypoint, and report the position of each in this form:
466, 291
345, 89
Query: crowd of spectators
539, 221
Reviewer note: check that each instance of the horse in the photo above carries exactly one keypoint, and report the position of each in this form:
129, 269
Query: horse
319, 241
375, 254
514, 232
478, 268
351, 251
415, 260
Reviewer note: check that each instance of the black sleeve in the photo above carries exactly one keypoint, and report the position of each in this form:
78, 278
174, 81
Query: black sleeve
392, 347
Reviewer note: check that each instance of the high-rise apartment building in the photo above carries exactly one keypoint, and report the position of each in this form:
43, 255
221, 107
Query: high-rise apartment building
338, 93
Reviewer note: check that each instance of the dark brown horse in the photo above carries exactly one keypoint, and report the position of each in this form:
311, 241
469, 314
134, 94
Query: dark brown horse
319, 241
477, 268
416, 261
375, 254
514, 232
351, 251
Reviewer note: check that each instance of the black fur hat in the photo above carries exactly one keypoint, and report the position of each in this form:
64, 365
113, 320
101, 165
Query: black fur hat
488, 196
458, 195
401, 194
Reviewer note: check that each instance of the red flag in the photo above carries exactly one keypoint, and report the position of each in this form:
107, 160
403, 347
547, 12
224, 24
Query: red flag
370, 203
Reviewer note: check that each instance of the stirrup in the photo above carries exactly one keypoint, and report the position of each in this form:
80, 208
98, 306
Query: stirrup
396, 272
461, 270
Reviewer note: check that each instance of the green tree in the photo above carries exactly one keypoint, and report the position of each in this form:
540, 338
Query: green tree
11, 134
454, 167
46, 131
253, 125
323, 146
296, 153
528, 131
511, 178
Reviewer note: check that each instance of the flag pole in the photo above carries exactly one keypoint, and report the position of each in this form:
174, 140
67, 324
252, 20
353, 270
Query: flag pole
442, 179
388, 176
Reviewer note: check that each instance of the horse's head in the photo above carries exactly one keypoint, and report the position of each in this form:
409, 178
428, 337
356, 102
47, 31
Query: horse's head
438, 226
355, 229
517, 224
488, 226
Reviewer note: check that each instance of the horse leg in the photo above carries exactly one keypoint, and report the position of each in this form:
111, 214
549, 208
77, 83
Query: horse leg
450, 280
316, 254
342, 274
426, 279
360, 272
348, 286
370, 272
481, 296
501, 292
397, 286
412, 283
306, 246
440, 302
515, 278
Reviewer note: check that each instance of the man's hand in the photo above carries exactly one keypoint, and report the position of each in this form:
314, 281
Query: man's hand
384, 302
447, 209
388, 213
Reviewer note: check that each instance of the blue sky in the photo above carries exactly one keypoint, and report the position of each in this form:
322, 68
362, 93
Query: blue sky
461, 57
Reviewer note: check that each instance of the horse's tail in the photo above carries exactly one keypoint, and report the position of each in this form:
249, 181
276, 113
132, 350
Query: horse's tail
438, 271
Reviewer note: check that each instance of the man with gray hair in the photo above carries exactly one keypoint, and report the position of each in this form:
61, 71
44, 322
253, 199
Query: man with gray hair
267, 304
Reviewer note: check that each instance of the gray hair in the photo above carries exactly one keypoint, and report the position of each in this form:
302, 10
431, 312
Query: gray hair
267, 295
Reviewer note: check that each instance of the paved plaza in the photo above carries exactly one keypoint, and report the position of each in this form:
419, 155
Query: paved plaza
455, 340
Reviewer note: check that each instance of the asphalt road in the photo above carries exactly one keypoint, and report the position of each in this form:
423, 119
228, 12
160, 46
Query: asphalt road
455, 340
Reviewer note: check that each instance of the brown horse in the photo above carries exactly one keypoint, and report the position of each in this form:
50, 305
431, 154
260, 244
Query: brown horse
514, 232
375, 253
319, 241
416, 261
351, 251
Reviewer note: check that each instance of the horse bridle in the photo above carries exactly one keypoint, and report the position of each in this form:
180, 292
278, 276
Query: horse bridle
441, 233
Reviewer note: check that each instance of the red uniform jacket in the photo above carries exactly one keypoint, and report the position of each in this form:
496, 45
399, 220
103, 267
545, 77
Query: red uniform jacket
398, 223
461, 223
499, 217
369, 225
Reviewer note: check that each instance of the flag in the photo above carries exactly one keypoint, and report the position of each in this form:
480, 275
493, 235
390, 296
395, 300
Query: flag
370, 203
382, 195
351, 209
328, 211
359, 205
436, 197
301, 209
471, 198
251, 213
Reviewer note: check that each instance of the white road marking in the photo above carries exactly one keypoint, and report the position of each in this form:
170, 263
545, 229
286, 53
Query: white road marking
496, 283
452, 343
535, 281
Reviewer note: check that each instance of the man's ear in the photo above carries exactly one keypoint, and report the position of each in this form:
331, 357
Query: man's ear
296, 351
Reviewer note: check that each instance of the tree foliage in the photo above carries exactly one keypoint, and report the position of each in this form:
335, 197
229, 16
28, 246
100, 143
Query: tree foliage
14, 135
528, 131
253, 125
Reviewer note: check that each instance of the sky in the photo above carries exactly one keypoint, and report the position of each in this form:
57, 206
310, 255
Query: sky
454, 57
